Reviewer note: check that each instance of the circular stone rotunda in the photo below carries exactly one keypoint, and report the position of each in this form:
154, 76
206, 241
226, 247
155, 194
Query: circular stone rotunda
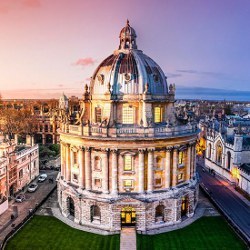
126, 158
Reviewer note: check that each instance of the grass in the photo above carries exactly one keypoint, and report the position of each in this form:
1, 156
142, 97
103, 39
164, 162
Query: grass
204, 234
48, 233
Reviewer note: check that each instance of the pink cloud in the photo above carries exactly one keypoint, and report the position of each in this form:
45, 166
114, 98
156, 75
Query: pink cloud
85, 61
31, 3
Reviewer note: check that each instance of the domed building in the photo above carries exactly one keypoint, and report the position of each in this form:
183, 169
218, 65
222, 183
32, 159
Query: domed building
126, 159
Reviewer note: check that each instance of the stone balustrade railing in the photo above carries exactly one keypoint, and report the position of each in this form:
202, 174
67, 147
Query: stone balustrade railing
129, 131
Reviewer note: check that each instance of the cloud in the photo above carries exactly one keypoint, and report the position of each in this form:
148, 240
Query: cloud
85, 62
207, 73
31, 3
173, 75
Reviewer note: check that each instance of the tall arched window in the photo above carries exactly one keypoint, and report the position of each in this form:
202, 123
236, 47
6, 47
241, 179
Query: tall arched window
95, 214
228, 160
98, 114
159, 213
128, 114
97, 163
21, 174
209, 150
158, 114
219, 153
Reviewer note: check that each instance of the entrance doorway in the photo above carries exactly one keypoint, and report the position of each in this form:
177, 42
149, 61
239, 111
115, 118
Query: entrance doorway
128, 216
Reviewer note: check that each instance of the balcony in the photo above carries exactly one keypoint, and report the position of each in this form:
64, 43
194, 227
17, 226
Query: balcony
127, 131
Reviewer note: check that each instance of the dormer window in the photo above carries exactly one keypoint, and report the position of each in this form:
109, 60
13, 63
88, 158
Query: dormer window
158, 114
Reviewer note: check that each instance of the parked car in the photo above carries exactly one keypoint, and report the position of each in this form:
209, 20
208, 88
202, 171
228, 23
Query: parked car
42, 177
20, 198
32, 187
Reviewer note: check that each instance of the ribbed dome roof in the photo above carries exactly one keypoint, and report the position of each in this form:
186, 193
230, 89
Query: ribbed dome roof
128, 71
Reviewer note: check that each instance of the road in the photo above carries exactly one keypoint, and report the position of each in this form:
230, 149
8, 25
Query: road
236, 209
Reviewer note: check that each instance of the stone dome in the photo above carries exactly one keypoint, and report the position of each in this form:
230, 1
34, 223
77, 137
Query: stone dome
128, 71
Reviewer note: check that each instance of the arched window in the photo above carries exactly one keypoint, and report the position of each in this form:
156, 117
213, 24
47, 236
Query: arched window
97, 163
128, 163
158, 162
159, 213
209, 150
158, 114
95, 214
128, 114
21, 174
181, 156
228, 160
71, 206
98, 114
219, 153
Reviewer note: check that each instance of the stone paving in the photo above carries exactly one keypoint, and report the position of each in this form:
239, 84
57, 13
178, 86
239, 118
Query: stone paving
128, 239
21, 210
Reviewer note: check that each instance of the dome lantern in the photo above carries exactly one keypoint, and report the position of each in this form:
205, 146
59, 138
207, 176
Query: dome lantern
127, 37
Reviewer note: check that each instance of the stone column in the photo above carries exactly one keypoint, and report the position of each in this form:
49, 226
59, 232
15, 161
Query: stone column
62, 159
105, 172
81, 170
188, 164
71, 160
68, 165
194, 164
150, 169
114, 172
175, 166
141, 171
88, 168
167, 166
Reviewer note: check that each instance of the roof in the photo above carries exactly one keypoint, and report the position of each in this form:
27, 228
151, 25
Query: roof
245, 167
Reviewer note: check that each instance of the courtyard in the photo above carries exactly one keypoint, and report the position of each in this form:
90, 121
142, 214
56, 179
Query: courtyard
46, 232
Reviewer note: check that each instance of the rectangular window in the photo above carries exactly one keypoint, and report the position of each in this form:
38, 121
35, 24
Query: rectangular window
158, 182
127, 163
98, 114
158, 114
75, 157
180, 177
98, 183
75, 177
128, 183
181, 155
128, 114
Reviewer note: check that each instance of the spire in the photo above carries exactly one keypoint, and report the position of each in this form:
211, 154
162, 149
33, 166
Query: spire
128, 23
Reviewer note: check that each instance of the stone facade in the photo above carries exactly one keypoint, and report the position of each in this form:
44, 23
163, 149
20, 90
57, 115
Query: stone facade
127, 159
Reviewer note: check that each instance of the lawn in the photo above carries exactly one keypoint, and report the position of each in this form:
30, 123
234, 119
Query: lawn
204, 234
48, 233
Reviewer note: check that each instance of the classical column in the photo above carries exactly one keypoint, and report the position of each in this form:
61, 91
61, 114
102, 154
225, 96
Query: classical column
188, 164
150, 169
87, 168
194, 164
62, 159
141, 171
81, 158
114, 172
167, 166
105, 172
175, 166
68, 165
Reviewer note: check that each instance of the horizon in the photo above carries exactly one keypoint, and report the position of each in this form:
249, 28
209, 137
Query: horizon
57, 45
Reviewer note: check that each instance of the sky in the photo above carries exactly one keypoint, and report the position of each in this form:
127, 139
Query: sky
48, 47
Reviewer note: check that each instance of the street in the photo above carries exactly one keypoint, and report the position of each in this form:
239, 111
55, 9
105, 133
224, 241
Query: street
236, 209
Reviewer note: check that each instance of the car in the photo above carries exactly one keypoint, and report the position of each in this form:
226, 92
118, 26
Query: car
42, 177
20, 198
32, 187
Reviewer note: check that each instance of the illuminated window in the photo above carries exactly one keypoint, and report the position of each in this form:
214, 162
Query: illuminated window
158, 162
98, 114
128, 183
127, 163
180, 177
75, 157
219, 153
158, 182
127, 114
158, 114
97, 163
180, 158
209, 150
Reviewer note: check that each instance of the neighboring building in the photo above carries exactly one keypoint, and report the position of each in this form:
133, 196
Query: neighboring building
126, 159
228, 150
19, 165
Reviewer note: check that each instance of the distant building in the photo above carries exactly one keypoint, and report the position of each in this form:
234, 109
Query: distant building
126, 159
19, 165
228, 150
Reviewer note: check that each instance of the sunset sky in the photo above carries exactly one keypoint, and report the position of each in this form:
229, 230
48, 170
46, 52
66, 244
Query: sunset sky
52, 46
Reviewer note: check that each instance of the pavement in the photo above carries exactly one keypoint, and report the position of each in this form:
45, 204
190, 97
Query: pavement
233, 204
128, 239
21, 210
